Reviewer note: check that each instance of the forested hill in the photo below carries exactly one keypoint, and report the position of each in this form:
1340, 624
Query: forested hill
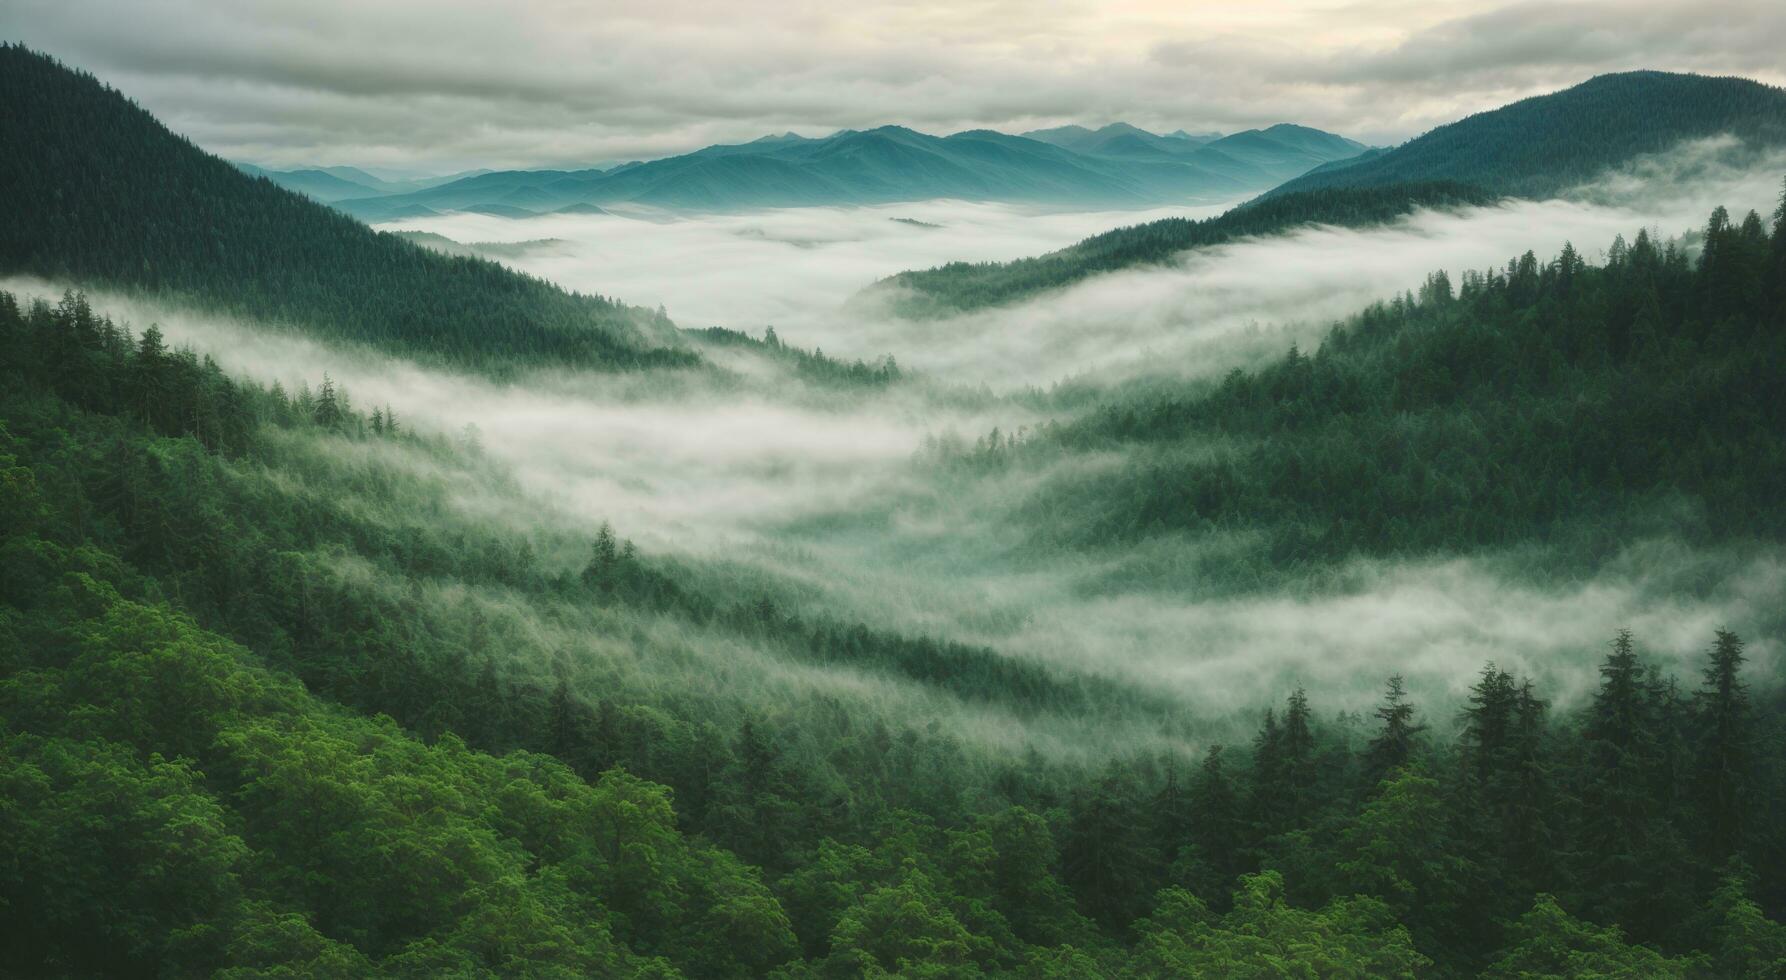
1536, 146
961, 286
1548, 143
1584, 406
98, 192
273, 704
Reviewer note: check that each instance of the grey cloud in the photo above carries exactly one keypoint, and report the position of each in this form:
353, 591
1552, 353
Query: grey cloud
459, 83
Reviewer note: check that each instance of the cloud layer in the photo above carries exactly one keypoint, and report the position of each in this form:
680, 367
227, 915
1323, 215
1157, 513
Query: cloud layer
818, 490
445, 84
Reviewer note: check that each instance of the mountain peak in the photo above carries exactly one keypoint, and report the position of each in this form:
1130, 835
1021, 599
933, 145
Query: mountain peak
1535, 146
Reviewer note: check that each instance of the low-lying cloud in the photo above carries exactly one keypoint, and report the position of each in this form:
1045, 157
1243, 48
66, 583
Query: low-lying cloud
816, 489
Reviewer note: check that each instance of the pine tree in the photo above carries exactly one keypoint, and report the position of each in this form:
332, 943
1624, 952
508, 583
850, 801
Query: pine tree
564, 724
149, 379
328, 414
1215, 817
605, 553
1617, 805
1105, 856
1722, 768
1299, 760
1393, 745
1265, 804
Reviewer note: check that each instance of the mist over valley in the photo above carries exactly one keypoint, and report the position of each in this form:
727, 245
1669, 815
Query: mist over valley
1048, 549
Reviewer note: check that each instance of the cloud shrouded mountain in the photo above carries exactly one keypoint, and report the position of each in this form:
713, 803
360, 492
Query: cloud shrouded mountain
1129, 167
1534, 147
1546, 144
100, 193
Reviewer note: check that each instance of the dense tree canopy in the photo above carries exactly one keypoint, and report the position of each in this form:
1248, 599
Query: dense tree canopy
1550, 400
225, 749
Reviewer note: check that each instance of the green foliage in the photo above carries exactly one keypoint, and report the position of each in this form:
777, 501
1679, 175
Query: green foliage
1553, 401
1548, 942
266, 709
1264, 937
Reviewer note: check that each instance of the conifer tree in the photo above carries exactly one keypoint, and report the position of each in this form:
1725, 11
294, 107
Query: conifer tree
1393, 744
328, 413
1215, 817
1722, 769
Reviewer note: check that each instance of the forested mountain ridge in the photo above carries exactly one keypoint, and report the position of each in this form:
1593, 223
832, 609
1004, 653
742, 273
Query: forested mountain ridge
1548, 143
99, 193
961, 286
1557, 401
1537, 146
893, 163
569, 814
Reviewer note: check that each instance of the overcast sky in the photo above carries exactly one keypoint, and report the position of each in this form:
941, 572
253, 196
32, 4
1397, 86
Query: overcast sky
437, 85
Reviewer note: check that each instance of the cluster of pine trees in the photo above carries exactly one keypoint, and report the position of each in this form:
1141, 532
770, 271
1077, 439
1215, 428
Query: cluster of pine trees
1554, 400
813, 365
227, 751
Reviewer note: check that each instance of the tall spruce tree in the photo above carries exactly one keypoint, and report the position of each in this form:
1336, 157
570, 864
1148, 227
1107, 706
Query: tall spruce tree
1723, 766
1393, 745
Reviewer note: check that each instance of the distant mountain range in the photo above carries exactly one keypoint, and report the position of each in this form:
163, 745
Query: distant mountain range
328, 184
1119, 165
1533, 147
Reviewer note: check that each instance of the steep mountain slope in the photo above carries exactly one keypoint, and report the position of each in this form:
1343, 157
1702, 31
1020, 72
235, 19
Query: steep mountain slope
1115, 166
1536, 146
1547, 143
1555, 401
98, 192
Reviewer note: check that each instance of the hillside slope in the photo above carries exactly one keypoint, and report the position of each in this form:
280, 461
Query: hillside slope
1533, 147
99, 193
1548, 143
961, 286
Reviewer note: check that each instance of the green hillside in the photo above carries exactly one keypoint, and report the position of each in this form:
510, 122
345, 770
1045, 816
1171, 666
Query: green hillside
1537, 146
251, 719
1548, 401
1549, 143
961, 286
100, 194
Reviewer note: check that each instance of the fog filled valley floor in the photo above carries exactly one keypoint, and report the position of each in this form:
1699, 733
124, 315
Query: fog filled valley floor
862, 497
1395, 595
825, 560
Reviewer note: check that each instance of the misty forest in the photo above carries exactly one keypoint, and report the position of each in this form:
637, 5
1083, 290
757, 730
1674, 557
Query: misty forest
1034, 551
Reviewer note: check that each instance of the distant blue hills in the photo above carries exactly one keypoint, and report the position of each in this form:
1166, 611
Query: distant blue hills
1116, 166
